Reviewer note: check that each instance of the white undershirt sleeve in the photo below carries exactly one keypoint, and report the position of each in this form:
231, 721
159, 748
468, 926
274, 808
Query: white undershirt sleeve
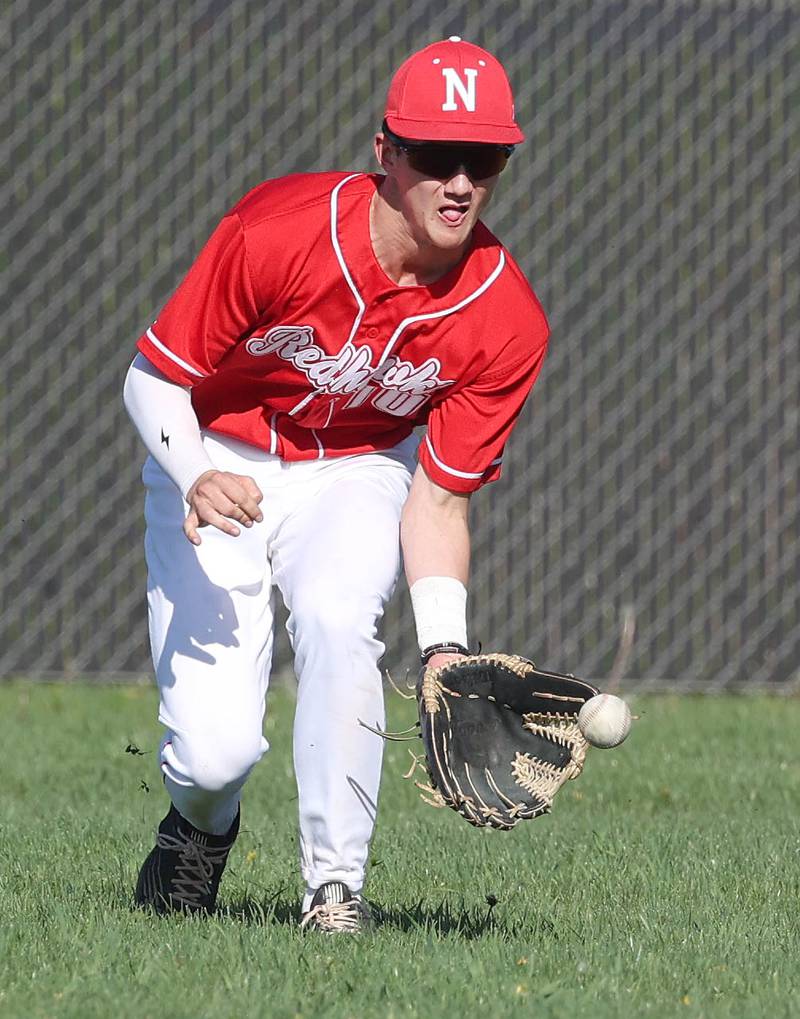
163, 415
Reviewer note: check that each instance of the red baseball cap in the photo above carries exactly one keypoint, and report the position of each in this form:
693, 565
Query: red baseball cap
452, 91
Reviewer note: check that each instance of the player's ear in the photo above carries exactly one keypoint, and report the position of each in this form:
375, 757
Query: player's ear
385, 152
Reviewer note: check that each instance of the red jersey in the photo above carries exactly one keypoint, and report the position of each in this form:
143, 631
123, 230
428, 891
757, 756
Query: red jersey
294, 339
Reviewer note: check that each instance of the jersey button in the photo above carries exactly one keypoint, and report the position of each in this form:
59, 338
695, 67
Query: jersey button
372, 332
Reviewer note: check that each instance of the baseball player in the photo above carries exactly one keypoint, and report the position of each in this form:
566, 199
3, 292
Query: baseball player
277, 394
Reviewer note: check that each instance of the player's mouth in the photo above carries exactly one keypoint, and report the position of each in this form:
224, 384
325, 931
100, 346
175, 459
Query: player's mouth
453, 215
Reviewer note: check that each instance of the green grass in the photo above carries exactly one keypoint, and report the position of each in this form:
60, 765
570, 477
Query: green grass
665, 883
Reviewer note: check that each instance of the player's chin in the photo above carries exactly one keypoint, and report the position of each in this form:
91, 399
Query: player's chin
449, 233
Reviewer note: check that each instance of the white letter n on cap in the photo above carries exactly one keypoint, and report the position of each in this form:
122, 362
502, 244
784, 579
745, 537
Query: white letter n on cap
455, 84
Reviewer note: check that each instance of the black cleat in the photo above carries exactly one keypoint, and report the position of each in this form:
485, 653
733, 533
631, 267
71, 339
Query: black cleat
335, 910
183, 871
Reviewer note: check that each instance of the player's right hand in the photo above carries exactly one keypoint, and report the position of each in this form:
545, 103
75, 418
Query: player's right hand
222, 500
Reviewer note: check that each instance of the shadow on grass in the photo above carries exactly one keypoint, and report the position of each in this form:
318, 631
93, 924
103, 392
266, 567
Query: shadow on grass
470, 924
445, 920
279, 909
442, 921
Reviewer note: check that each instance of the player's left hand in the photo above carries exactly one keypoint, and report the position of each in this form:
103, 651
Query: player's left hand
500, 736
437, 661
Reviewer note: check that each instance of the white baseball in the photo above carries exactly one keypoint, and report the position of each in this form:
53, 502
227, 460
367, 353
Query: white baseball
605, 720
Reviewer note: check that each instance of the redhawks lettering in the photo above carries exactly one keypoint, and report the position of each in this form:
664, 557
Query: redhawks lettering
394, 387
286, 338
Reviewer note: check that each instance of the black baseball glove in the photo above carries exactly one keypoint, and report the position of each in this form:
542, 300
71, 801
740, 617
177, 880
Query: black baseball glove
501, 737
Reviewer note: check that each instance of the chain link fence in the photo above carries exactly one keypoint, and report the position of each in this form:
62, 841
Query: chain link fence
646, 527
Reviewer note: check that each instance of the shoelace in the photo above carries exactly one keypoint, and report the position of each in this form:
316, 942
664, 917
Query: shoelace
194, 870
338, 916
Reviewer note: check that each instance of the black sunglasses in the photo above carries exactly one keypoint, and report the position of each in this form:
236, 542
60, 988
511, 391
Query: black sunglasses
442, 160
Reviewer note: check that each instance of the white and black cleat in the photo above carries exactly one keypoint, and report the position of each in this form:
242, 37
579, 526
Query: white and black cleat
334, 909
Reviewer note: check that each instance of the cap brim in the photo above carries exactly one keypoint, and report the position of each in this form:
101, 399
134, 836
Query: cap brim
436, 131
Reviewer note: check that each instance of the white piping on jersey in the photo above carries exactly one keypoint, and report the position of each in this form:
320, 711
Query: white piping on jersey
345, 272
452, 470
334, 217
445, 311
412, 318
320, 447
173, 357
273, 434
340, 256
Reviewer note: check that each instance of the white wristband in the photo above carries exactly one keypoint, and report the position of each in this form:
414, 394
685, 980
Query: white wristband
440, 611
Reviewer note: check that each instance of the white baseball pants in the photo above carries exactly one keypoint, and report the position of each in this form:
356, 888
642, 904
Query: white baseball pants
329, 542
